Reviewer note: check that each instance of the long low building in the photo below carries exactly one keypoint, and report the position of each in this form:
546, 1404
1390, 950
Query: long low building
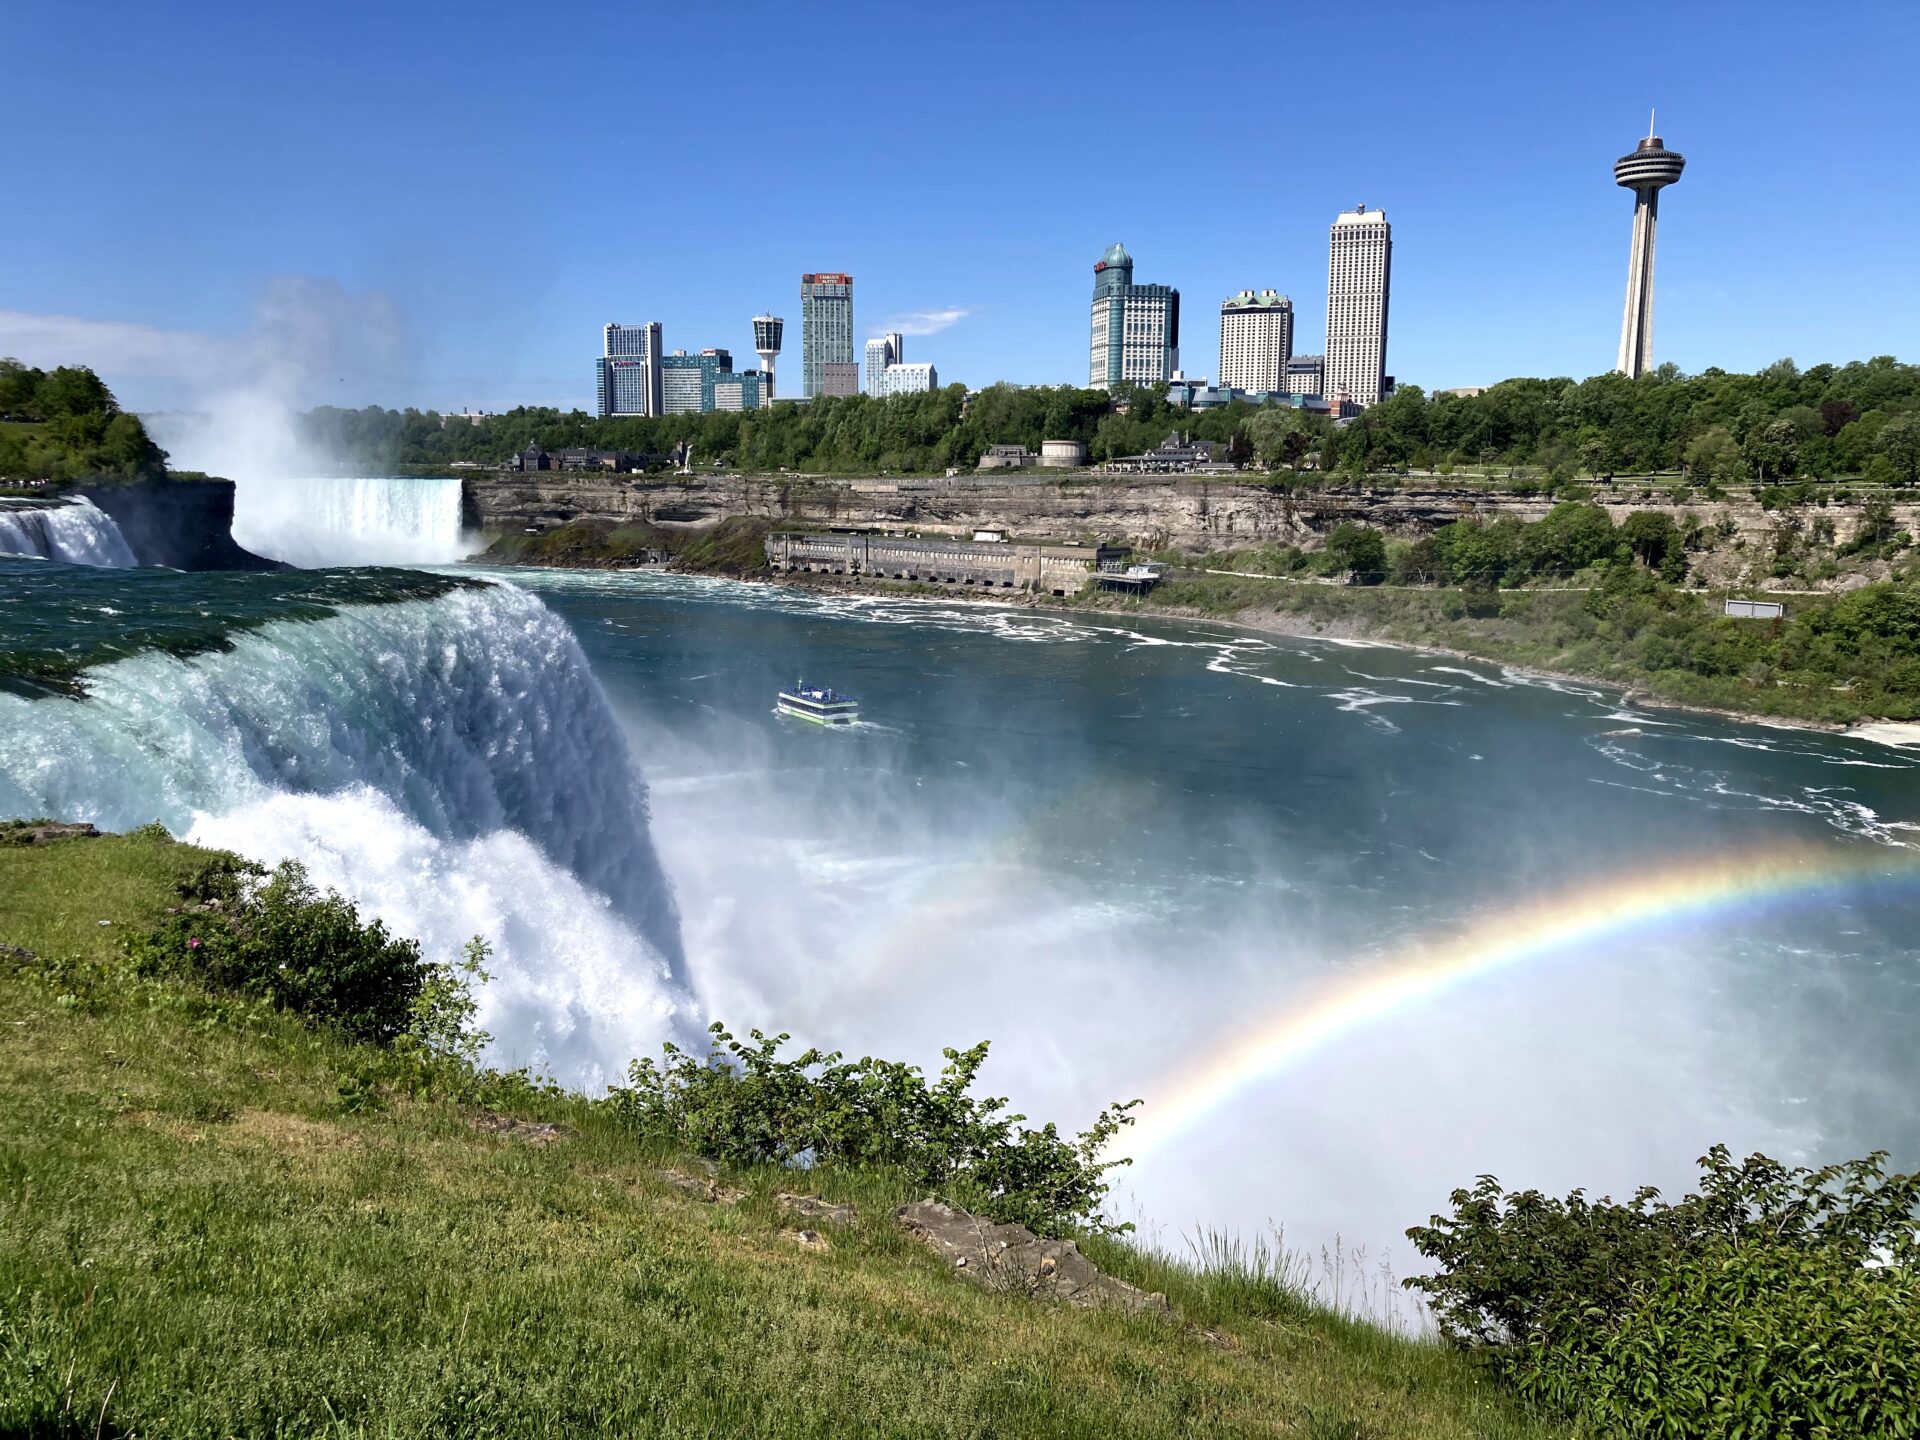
986, 564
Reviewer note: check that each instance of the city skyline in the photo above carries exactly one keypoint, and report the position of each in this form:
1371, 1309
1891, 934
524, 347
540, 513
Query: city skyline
411, 252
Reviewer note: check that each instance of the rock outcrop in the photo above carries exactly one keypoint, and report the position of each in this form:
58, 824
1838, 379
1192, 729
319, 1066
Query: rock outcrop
1012, 1258
44, 832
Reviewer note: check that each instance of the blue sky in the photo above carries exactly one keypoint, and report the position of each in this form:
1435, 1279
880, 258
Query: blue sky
441, 205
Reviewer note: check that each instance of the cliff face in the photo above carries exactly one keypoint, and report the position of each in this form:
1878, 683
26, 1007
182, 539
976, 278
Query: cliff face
1151, 514
185, 524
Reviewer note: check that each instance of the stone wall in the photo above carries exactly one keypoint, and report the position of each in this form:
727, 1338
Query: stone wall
1154, 514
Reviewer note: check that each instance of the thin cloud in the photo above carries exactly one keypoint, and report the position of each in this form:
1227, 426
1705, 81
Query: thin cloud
306, 331
112, 346
923, 322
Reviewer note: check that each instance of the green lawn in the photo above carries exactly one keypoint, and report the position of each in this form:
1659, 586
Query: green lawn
216, 1222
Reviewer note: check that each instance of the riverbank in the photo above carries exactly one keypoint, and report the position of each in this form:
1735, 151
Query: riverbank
372, 1244
1554, 634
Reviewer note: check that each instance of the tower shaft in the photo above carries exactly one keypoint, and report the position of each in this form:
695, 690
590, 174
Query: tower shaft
1636, 323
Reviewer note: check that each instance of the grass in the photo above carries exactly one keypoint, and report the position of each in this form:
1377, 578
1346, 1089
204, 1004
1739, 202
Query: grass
216, 1222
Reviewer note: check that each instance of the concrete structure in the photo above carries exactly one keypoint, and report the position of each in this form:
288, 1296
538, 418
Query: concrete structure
907, 379
1647, 171
1359, 272
1756, 610
987, 564
1176, 455
695, 384
826, 333
1306, 375
1134, 334
627, 377
533, 458
1062, 454
1006, 457
838, 377
767, 330
1256, 341
882, 351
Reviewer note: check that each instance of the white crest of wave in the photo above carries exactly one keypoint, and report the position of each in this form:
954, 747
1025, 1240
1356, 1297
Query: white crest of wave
78, 532
351, 520
574, 993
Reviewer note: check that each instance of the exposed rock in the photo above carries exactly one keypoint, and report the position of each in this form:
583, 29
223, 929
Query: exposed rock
809, 1239
531, 1132
17, 955
44, 832
812, 1207
701, 1187
1013, 1258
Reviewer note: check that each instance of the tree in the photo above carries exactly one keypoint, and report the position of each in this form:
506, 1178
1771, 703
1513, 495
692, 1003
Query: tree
1360, 550
1900, 443
1714, 457
1774, 447
1652, 536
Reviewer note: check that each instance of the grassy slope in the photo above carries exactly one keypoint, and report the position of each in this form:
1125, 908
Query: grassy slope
204, 1230
736, 546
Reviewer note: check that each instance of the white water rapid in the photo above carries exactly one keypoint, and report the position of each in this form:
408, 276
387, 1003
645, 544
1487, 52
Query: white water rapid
351, 520
78, 532
452, 764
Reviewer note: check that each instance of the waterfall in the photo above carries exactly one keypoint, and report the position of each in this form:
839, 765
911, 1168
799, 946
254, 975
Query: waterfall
78, 532
352, 520
451, 763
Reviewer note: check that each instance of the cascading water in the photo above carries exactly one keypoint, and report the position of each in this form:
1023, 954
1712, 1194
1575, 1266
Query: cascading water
78, 532
351, 520
451, 763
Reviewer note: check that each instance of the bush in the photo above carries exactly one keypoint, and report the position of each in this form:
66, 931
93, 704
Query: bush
273, 936
744, 1105
1777, 1302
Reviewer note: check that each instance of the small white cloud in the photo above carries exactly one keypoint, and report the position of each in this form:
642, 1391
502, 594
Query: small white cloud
923, 322
111, 346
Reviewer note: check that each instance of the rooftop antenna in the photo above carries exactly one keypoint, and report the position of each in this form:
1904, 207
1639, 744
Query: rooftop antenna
1650, 115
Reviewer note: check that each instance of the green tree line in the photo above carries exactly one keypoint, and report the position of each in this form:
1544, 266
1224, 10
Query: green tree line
1782, 422
64, 424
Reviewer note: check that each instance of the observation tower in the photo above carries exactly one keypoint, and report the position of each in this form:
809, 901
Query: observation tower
1648, 170
766, 344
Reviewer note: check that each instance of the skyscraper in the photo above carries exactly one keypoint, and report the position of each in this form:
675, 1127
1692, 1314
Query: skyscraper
1359, 262
882, 351
767, 330
1648, 170
1256, 341
627, 375
1134, 334
826, 334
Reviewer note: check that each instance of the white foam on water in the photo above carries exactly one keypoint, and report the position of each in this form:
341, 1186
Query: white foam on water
77, 532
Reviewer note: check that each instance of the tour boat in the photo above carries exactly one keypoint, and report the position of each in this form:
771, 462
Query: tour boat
819, 704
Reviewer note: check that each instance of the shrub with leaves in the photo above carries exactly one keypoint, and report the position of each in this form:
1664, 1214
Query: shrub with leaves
746, 1105
1777, 1302
274, 936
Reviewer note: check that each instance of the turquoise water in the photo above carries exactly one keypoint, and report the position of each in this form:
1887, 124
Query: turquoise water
1109, 847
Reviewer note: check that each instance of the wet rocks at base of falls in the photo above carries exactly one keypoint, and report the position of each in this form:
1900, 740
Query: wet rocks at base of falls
1013, 1259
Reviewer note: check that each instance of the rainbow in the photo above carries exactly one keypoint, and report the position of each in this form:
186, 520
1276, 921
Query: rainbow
1728, 886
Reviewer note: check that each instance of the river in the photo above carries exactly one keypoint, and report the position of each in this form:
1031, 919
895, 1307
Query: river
1357, 923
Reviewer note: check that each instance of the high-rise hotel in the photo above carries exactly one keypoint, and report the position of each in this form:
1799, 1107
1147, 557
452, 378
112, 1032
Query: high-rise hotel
1256, 342
627, 375
827, 366
1359, 263
1135, 335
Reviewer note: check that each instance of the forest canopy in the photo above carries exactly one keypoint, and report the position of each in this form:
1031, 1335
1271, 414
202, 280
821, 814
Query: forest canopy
1862, 418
